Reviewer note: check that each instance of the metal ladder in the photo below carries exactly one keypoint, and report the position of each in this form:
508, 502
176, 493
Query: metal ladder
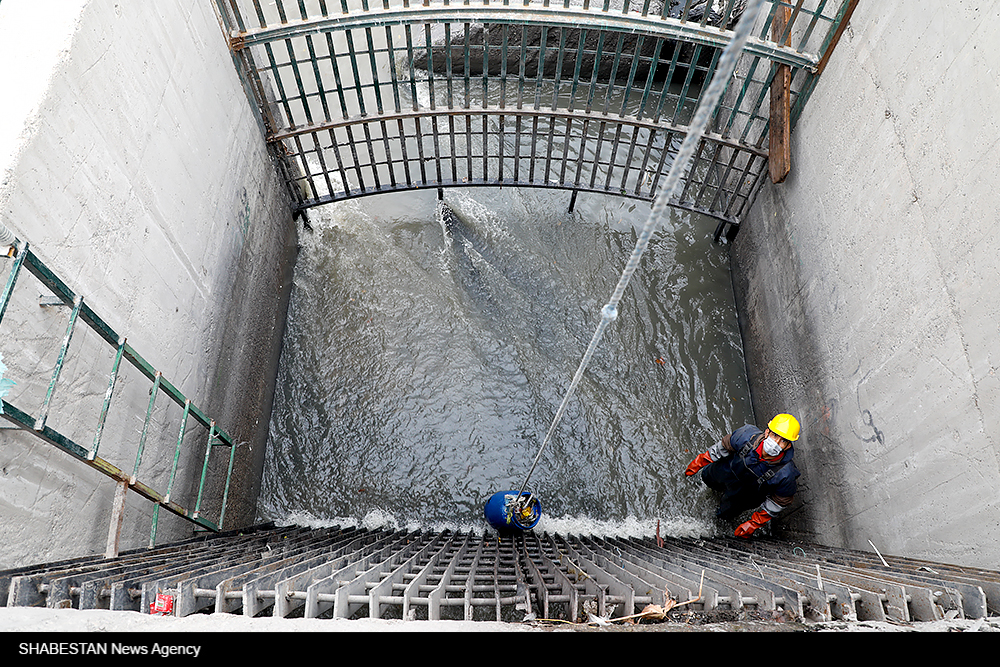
35, 424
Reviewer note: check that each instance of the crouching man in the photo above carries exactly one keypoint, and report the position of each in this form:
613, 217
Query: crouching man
752, 469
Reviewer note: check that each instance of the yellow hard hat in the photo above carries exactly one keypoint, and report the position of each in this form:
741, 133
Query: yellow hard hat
786, 426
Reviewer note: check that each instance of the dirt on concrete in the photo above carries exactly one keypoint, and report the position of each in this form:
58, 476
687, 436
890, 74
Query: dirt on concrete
41, 621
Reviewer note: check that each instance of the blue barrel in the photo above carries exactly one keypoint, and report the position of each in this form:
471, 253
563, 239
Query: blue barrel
502, 513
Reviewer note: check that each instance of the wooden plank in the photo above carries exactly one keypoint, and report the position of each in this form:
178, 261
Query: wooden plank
779, 128
845, 19
117, 514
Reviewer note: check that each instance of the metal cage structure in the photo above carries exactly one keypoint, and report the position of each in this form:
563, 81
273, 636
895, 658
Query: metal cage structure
366, 98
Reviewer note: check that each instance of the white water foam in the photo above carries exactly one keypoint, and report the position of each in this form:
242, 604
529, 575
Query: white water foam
376, 519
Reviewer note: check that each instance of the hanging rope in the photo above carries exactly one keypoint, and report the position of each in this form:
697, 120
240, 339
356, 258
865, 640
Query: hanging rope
702, 116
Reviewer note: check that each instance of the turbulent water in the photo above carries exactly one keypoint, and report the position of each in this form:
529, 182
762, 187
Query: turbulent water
423, 364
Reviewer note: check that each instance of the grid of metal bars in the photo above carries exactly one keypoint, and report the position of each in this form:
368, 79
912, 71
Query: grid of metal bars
25, 259
353, 573
362, 98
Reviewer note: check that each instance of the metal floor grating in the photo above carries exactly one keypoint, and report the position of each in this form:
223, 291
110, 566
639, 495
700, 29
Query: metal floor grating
357, 573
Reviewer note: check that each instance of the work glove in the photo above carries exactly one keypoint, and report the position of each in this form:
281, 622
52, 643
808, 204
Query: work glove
699, 462
747, 528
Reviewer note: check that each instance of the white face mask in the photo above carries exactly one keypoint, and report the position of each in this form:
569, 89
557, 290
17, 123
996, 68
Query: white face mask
771, 447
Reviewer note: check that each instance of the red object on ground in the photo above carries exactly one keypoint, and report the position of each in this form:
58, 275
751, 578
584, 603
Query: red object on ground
164, 604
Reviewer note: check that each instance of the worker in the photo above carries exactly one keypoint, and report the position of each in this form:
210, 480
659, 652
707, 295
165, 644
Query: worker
752, 469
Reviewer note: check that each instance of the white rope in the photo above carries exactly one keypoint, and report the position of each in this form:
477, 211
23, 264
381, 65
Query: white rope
702, 116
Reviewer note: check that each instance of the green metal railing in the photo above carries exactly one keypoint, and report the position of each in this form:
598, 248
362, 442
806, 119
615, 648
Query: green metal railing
359, 98
24, 258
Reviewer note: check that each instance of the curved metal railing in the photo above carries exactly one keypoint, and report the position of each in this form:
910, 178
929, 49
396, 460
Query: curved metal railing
375, 98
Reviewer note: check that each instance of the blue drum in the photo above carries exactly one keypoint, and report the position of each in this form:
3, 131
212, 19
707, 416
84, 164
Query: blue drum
504, 513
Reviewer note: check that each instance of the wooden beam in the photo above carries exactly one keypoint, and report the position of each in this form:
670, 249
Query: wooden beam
779, 127
844, 20
117, 514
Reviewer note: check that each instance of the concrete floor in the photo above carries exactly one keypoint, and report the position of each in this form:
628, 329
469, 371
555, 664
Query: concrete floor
71, 620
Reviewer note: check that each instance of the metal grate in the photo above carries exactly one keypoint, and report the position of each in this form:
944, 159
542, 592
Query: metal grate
357, 573
374, 98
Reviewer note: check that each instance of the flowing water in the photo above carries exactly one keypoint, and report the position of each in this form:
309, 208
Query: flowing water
423, 364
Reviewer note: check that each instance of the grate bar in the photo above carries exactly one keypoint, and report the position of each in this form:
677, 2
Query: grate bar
552, 16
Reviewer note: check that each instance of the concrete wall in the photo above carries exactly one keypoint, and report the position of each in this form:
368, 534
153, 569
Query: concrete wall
867, 283
132, 163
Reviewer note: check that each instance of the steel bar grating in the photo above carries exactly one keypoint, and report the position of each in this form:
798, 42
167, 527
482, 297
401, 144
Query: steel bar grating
357, 573
358, 98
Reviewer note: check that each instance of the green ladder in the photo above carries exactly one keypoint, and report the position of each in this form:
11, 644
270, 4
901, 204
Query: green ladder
35, 425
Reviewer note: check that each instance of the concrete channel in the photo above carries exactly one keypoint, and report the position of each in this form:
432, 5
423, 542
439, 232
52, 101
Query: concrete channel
132, 161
